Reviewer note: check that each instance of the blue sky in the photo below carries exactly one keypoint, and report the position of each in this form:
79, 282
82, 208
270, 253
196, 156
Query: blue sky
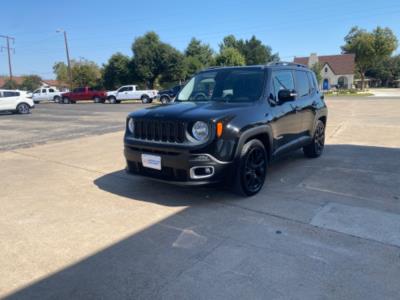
97, 29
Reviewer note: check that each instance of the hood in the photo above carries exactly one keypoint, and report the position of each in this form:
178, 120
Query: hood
192, 111
111, 93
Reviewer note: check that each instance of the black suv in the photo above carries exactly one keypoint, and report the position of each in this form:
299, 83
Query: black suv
227, 124
167, 96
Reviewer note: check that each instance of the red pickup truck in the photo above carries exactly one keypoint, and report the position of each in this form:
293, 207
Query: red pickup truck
83, 94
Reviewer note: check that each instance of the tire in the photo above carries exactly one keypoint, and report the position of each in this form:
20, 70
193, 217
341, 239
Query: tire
36, 102
145, 99
56, 99
23, 109
164, 99
316, 147
66, 100
96, 100
112, 100
252, 169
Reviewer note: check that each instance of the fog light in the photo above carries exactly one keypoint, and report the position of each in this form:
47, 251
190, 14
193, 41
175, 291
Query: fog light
201, 172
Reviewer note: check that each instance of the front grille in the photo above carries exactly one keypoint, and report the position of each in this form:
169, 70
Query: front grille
161, 131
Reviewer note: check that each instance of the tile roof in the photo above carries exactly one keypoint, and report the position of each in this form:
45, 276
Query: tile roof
340, 64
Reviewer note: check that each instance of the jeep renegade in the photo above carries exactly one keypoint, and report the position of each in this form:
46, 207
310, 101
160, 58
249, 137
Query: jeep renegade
227, 124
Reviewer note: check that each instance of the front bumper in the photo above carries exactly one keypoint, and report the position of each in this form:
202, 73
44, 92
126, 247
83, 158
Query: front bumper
177, 167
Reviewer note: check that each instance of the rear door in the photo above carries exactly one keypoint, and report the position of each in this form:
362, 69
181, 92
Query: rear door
9, 100
306, 92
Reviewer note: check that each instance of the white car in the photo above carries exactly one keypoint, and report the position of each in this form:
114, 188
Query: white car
130, 92
46, 94
15, 101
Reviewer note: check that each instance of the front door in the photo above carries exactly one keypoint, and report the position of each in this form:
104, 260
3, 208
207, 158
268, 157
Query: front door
286, 122
325, 84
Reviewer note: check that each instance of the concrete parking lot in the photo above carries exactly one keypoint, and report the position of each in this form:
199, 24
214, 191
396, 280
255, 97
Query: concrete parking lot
73, 225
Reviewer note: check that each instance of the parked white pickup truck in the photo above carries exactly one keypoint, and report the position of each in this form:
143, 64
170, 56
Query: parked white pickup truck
130, 92
46, 94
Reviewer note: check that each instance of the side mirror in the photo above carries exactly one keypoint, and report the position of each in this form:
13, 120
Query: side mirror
286, 96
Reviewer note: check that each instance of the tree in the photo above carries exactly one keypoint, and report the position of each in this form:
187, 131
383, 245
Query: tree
253, 50
84, 73
317, 68
386, 70
60, 69
369, 47
30, 83
230, 57
198, 56
117, 71
154, 59
10, 85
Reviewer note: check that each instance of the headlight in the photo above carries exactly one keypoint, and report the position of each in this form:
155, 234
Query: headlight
200, 131
131, 125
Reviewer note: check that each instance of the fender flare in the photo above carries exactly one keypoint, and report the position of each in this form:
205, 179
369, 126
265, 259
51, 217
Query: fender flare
252, 132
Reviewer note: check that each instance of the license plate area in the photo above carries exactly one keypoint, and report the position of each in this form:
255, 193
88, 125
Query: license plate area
151, 161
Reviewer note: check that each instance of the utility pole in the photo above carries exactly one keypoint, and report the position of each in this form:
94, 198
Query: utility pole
8, 38
68, 60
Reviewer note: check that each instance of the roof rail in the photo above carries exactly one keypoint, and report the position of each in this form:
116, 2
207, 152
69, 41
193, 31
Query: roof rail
285, 63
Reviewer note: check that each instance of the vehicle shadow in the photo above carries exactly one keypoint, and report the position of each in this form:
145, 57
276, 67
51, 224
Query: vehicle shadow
199, 250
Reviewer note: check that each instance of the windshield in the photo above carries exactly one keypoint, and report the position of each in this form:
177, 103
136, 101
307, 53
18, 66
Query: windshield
230, 85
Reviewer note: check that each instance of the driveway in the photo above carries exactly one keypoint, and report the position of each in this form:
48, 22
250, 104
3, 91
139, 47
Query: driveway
73, 225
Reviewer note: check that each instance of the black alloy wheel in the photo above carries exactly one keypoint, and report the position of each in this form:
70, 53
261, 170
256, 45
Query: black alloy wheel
253, 168
316, 147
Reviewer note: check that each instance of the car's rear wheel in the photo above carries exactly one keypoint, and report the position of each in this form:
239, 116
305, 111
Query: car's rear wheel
56, 99
316, 147
23, 109
112, 100
66, 100
145, 99
252, 168
164, 99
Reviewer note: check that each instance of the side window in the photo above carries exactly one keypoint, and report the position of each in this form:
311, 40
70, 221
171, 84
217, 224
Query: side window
282, 80
37, 92
129, 89
10, 94
302, 84
51, 90
123, 89
44, 91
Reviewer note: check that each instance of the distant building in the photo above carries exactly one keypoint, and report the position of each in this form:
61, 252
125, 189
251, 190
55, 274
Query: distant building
337, 71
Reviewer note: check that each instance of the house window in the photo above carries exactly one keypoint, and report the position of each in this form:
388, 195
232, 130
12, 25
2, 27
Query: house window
326, 70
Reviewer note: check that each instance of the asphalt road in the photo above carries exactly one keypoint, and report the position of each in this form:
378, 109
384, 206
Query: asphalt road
73, 225
55, 122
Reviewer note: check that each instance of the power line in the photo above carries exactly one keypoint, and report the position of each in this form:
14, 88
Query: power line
8, 38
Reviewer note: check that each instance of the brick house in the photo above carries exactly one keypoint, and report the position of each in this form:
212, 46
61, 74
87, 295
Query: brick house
337, 71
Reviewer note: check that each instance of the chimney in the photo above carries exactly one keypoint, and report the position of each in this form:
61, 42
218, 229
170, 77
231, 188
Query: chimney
312, 60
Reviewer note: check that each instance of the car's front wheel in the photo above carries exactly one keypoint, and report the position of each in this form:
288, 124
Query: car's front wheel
23, 109
316, 147
96, 100
252, 168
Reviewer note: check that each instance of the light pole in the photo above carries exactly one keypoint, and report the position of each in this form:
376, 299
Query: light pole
67, 51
